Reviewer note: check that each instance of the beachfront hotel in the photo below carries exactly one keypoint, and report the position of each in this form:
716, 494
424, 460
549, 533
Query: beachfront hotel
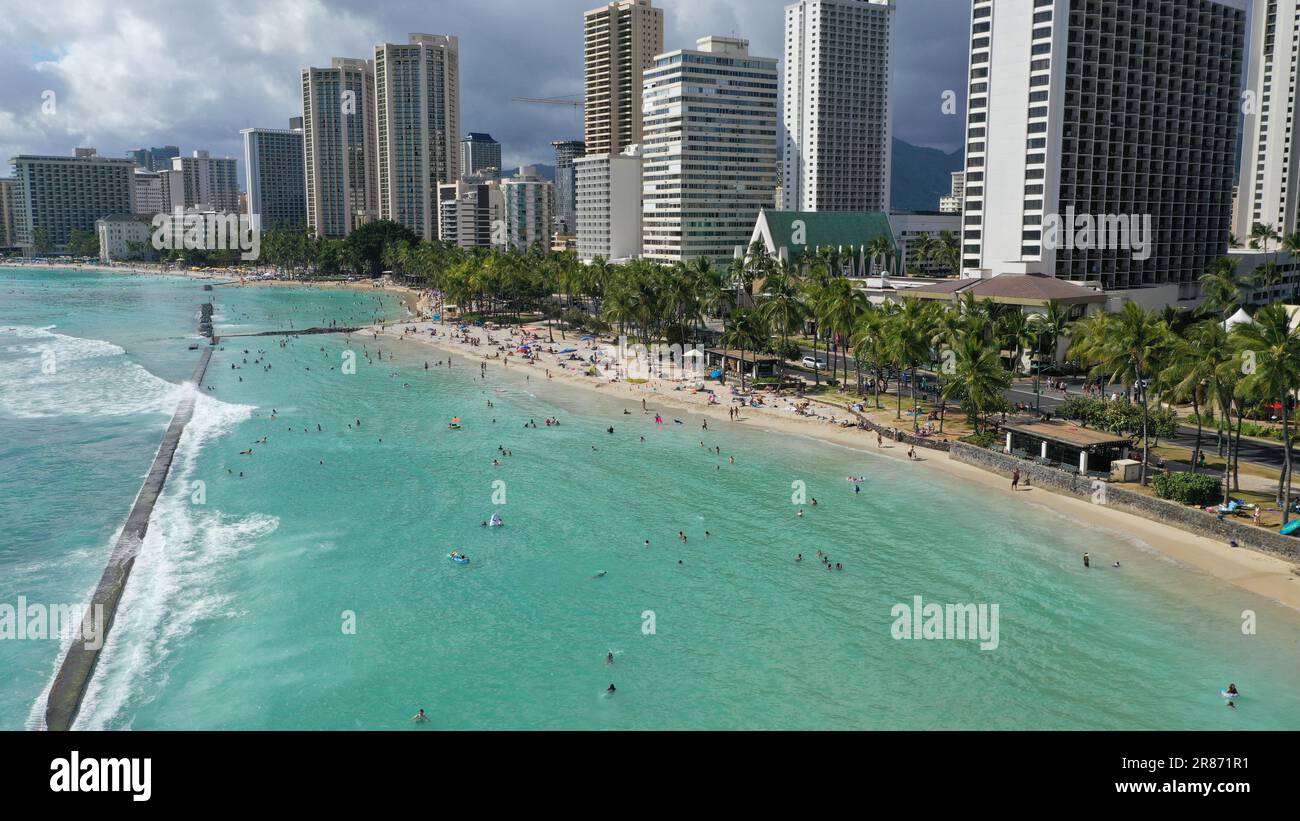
479, 152
710, 149
530, 209
608, 205
417, 122
59, 195
338, 146
838, 57
274, 177
621, 40
1109, 108
1267, 192
150, 197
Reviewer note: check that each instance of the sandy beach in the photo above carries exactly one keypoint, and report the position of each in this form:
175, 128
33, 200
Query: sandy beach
1257, 572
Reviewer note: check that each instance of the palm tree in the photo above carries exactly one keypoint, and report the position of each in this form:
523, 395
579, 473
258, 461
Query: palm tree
978, 380
1221, 288
1130, 352
881, 249
783, 312
748, 332
911, 332
1193, 373
870, 342
1272, 369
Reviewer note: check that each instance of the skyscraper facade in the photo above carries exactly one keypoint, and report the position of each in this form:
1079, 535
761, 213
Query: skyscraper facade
710, 150
621, 41
1112, 112
338, 146
566, 151
479, 152
417, 120
838, 58
1269, 191
59, 195
274, 179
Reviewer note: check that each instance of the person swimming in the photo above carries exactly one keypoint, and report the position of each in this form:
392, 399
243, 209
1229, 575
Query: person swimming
420, 717
609, 659
611, 690
1232, 690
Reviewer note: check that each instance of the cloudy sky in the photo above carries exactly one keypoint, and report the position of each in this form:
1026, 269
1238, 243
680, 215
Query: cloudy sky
128, 73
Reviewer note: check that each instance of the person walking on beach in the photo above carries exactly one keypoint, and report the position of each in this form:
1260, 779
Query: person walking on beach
1087, 561
1015, 480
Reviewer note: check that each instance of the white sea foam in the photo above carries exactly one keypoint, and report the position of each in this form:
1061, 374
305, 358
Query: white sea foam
175, 581
88, 377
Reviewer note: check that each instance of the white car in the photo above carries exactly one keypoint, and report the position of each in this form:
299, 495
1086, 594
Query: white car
815, 364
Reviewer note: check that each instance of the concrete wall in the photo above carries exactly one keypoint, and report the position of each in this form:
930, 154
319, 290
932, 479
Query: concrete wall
1193, 520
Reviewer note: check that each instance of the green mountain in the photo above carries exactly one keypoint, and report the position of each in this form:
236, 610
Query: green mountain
920, 176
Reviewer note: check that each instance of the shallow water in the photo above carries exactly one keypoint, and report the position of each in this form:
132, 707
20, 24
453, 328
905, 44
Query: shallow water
241, 610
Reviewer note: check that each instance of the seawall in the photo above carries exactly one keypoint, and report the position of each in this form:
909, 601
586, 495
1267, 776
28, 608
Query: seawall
69, 687
1191, 519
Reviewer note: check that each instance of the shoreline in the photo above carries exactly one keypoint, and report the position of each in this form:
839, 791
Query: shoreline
1256, 572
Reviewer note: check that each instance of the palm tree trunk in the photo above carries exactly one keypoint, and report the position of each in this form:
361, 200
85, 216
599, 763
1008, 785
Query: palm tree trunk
1286, 462
1146, 442
1236, 450
1227, 462
1196, 452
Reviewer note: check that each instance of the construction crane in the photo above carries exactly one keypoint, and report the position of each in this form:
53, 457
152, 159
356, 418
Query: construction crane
550, 100
577, 105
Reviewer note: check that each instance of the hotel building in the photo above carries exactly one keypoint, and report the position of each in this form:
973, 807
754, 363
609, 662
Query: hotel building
1103, 109
417, 121
710, 150
621, 40
338, 146
838, 57
274, 177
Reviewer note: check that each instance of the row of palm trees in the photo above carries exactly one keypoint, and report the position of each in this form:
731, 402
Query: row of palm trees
972, 350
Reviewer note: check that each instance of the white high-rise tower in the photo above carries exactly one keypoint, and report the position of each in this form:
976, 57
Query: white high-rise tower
838, 56
1086, 113
417, 125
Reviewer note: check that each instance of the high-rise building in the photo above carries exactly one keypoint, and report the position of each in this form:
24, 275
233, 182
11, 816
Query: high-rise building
530, 209
478, 153
838, 57
204, 181
8, 212
566, 151
952, 203
59, 195
155, 159
472, 214
149, 197
339, 146
1269, 191
621, 41
417, 121
710, 150
1112, 114
608, 205
274, 179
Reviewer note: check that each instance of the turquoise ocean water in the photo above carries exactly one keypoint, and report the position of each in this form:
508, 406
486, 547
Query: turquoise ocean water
314, 591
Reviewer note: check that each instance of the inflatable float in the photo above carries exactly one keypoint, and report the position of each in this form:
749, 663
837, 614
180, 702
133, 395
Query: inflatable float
458, 559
